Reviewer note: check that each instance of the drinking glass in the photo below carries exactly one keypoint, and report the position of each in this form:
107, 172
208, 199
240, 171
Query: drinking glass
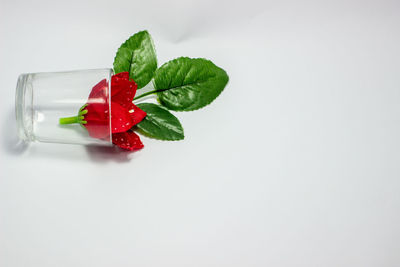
46, 103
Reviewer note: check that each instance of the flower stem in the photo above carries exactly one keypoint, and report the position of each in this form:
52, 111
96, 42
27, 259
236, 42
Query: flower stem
69, 120
146, 94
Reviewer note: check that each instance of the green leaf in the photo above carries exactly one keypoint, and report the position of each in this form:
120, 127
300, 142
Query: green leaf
185, 84
159, 123
137, 56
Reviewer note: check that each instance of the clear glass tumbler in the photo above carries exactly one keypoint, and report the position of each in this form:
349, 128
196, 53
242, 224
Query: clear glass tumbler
48, 105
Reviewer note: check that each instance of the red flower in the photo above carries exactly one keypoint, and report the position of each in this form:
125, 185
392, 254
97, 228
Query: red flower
124, 114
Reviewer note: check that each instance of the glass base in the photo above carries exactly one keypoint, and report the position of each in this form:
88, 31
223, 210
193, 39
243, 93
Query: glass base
24, 109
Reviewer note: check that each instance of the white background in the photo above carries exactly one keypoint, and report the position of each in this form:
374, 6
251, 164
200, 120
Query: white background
295, 164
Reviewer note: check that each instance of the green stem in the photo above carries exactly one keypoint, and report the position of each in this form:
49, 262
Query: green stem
146, 94
69, 120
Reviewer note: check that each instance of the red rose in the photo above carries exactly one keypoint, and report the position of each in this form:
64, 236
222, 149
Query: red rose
124, 114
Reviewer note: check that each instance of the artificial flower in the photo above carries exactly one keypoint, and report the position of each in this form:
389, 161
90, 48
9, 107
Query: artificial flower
94, 115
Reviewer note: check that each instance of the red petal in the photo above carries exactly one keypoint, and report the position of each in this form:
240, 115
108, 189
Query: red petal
120, 76
97, 104
137, 115
97, 117
97, 120
98, 130
123, 90
121, 120
127, 140
99, 91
